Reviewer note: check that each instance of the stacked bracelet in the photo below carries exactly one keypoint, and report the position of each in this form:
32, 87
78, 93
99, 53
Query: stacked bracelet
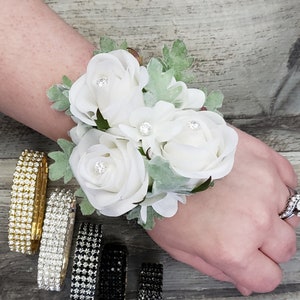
56, 240
113, 268
27, 206
85, 263
151, 280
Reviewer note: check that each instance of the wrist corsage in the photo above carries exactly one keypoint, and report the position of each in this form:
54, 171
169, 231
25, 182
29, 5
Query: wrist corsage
143, 140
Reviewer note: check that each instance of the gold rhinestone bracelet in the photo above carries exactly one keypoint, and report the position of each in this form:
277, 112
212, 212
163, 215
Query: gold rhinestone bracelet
28, 197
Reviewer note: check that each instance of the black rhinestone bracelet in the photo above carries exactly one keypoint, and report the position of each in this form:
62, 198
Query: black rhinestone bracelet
151, 281
112, 273
86, 262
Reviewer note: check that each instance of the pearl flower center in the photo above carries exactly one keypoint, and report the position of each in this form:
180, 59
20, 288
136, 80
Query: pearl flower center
102, 81
194, 125
145, 129
100, 167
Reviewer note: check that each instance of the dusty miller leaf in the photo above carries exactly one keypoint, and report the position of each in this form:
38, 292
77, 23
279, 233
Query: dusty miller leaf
66, 81
151, 216
177, 59
214, 101
61, 167
107, 44
158, 87
86, 207
59, 95
66, 146
164, 177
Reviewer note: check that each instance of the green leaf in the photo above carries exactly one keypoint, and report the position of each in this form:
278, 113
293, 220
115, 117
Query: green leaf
177, 59
164, 177
59, 95
158, 87
66, 81
102, 124
107, 44
86, 207
203, 186
214, 101
134, 213
60, 105
66, 146
142, 152
151, 216
61, 167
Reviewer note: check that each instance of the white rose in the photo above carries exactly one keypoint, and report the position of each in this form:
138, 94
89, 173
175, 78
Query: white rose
204, 147
188, 98
113, 83
110, 171
152, 126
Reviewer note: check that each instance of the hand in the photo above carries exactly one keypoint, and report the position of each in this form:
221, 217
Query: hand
233, 229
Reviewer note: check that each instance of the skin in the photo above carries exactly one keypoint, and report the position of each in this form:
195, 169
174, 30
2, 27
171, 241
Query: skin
229, 231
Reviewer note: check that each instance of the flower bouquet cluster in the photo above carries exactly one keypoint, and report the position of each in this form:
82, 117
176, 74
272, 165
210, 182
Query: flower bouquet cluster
143, 140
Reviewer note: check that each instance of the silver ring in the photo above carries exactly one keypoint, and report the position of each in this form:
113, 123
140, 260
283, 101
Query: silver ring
293, 205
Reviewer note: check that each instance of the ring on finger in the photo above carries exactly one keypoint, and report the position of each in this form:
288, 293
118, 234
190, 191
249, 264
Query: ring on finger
293, 205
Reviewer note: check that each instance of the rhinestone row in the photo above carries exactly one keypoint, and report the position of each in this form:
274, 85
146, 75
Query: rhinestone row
56, 240
86, 259
151, 281
27, 202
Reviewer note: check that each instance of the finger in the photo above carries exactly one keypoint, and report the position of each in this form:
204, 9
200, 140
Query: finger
280, 242
258, 273
199, 264
202, 266
285, 170
243, 290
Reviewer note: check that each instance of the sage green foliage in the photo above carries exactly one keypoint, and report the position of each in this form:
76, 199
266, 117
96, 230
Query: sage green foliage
59, 95
61, 167
101, 123
107, 44
175, 63
214, 101
164, 177
86, 207
158, 87
178, 60
151, 216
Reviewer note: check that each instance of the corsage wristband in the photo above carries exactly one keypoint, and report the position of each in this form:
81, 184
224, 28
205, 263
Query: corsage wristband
56, 240
27, 206
143, 140
113, 272
151, 282
85, 263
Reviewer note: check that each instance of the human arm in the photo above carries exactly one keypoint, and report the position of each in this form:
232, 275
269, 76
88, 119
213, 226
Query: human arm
50, 49
36, 49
